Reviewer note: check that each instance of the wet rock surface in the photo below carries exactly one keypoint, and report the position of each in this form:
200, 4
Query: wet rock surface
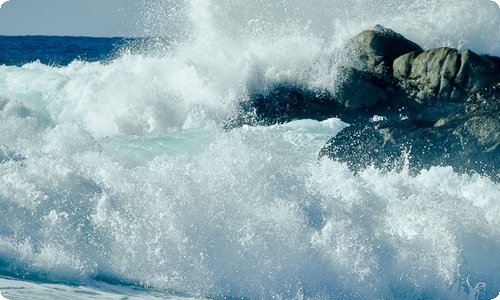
440, 106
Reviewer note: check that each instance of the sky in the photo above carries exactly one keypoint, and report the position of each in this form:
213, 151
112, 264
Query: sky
74, 17
69, 17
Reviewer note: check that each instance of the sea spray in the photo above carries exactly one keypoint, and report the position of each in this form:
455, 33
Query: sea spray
241, 216
122, 172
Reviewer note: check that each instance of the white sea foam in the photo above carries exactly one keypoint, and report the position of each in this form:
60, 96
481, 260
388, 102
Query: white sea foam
120, 172
14, 289
250, 213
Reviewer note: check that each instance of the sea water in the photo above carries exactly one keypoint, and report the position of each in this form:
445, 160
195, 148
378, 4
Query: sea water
119, 180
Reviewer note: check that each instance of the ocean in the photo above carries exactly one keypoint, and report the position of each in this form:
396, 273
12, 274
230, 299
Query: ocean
120, 180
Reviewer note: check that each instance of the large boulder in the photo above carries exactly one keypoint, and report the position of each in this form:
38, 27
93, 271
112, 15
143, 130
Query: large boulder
442, 74
360, 88
384, 71
429, 75
477, 72
284, 102
466, 144
448, 103
375, 50
364, 81
439, 106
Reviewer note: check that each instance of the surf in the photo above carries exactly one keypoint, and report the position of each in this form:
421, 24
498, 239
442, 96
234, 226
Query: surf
120, 173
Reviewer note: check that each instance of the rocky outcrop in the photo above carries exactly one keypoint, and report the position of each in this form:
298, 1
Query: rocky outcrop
358, 89
282, 103
443, 74
450, 104
375, 50
439, 106
429, 84
466, 144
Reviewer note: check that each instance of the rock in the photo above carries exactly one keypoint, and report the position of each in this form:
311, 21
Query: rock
468, 145
428, 75
477, 72
387, 74
285, 102
440, 107
449, 104
486, 100
442, 74
481, 132
362, 146
359, 88
375, 50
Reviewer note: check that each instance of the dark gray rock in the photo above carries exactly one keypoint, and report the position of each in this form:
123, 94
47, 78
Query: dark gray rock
282, 103
486, 100
442, 74
481, 132
441, 107
476, 72
375, 50
385, 74
466, 144
428, 75
449, 104
359, 88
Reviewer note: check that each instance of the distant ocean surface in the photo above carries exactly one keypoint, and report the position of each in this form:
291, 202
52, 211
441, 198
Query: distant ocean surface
58, 51
118, 179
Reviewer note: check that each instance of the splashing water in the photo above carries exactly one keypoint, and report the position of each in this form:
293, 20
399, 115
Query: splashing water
121, 171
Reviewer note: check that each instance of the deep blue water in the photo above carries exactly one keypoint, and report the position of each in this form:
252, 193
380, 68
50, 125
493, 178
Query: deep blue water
59, 50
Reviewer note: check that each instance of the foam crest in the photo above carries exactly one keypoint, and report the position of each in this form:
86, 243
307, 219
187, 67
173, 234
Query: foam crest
110, 219
429, 22
133, 95
251, 213
227, 49
119, 172
413, 230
